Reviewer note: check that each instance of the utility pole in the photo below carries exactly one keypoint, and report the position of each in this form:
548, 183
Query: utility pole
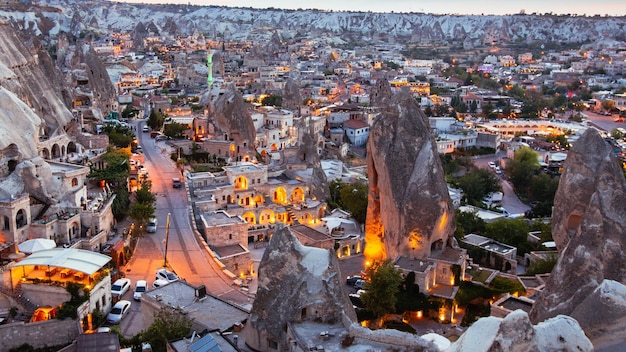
167, 232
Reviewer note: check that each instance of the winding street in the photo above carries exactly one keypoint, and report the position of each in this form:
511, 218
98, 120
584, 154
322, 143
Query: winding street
185, 256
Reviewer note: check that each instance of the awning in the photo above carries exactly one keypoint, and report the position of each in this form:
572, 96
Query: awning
81, 260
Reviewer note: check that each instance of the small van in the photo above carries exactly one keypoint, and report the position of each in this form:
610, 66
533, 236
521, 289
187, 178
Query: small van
176, 182
152, 225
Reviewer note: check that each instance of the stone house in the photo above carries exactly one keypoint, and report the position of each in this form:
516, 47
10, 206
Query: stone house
357, 132
228, 238
491, 253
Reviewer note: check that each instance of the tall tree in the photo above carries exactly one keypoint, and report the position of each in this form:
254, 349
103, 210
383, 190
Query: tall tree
382, 288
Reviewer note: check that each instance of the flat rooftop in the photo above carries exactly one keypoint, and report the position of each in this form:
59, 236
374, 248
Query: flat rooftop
211, 312
417, 265
514, 303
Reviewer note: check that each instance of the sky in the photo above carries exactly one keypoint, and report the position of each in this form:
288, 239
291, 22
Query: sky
578, 7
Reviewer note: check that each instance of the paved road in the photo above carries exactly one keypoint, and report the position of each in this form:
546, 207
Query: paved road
184, 254
510, 201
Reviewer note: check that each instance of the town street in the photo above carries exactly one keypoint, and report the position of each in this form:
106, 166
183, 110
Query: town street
184, 255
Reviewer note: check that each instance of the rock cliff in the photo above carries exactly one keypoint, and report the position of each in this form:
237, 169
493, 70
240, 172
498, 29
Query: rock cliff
409, 207
231, 116
31, 75
293, 279
589, 168
590, 225
515, 333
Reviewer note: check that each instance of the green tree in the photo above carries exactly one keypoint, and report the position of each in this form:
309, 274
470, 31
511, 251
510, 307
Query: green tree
119, 136
168, 324
542, 266
272, 100
616, 134
141, 213
382, 288
478, 183
155, 120
522, 168
144, 194
467, 223
174, 130
116, 167
353, 197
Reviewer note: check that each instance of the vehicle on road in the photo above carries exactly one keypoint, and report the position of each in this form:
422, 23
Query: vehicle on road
141, 286
359, 284
351, 280
152, 225
164, 274
118, 312
145, 129
176, 182
120, 287
492, 164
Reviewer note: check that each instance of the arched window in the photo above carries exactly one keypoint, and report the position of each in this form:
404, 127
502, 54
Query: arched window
20, 218
74, 182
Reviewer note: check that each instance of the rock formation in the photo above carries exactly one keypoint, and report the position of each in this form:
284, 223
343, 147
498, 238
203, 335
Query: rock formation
294, 279
409, 207
590, 227
589, 168
231, 116
32, 76
292, 99
515, 333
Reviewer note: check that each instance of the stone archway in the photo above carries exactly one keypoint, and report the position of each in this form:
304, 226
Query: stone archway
45, 153
249, 217
72, 148
241, 183
267, 217
297, 195
280, 196
56, 151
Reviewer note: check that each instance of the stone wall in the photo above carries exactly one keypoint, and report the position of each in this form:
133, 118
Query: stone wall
38, 335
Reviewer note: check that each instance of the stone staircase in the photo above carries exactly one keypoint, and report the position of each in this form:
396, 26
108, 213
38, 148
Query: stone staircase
28, 306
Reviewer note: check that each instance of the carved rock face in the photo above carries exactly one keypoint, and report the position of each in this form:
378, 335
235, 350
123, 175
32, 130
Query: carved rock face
515, 333
590, 168
409, 207
589, 225
294, 278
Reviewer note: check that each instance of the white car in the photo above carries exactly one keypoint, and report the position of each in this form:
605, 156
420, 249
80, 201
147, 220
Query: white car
158, 283
152, 225
119, 311
120, 287
164, 274
141, 286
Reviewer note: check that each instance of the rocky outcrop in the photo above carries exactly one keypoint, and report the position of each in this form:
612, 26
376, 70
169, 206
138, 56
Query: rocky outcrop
515, 333
231, 116
32, 76
591, 230
602, 314
589, 168
292, 99
409, 207
296, 283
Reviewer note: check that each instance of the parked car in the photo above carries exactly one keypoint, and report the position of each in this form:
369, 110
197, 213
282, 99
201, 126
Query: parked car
351, 280
359, 284
152, 225
141, 286
120, 287
159, 282
119, 311
164, 274
145, 129
492, 164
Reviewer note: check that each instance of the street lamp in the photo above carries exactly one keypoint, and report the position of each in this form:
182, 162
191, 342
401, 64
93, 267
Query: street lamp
167, 232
